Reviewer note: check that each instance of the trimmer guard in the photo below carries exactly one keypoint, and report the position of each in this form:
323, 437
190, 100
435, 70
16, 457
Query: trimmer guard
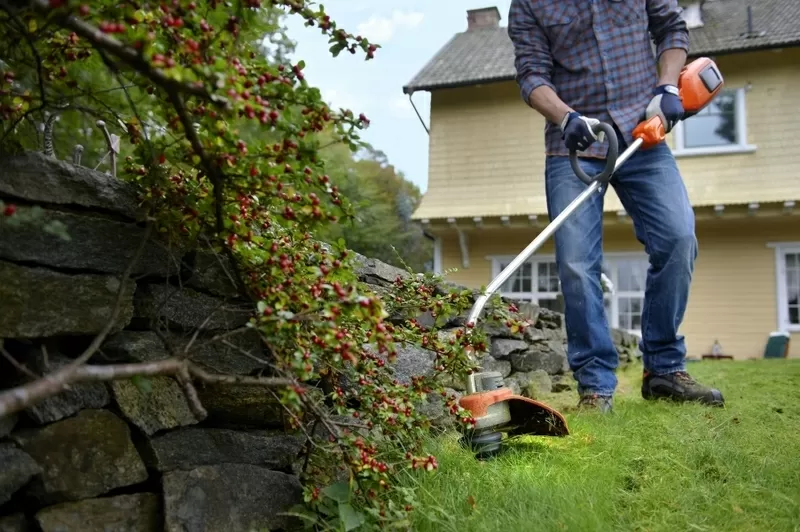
529, 416
522, 415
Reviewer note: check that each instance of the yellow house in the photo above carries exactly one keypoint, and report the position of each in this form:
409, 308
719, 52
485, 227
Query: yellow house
740, 159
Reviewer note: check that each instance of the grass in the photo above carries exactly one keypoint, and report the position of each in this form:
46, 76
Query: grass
646, 467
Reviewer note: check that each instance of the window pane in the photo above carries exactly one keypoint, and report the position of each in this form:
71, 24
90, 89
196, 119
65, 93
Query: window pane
713, 126
521, 280
794, 314
630, 313
631, 275
547, 277
793, 260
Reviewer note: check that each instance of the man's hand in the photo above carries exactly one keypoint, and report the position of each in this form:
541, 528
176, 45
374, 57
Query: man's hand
577, 131
667, 105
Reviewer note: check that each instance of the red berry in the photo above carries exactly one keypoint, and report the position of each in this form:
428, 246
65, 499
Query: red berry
10, 209
84, 10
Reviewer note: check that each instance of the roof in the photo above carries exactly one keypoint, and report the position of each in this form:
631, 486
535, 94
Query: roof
486, 55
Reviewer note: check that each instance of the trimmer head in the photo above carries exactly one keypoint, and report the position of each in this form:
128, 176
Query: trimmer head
496, 410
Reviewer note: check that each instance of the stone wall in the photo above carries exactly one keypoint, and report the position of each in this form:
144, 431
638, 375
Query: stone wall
131, 455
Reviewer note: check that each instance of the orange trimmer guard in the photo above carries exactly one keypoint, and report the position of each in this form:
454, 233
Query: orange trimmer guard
529, 416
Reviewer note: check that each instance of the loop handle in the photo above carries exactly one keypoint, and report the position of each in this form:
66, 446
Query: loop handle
611, 158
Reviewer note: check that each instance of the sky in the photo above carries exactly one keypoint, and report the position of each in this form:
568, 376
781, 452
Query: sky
409, 32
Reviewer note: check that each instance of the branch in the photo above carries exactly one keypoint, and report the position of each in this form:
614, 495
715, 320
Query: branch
125, 53
22, 397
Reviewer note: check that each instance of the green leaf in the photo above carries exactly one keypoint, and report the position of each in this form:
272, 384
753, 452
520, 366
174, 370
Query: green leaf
351, 518
262, 305
143, 384
340, 491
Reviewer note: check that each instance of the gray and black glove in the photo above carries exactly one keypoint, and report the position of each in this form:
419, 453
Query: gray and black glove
577, 131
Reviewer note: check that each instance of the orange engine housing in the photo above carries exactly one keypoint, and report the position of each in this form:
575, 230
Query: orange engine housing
700, 81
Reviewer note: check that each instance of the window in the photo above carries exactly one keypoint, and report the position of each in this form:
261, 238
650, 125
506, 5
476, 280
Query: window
788, 273
537, 281
719, 128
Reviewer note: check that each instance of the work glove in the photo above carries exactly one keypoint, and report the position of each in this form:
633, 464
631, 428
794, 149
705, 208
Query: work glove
577, 131
667, 105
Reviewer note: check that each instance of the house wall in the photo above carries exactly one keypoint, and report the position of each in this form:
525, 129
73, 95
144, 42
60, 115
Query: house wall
487, 157
733, 297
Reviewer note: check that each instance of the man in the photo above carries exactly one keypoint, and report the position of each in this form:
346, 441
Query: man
583, 61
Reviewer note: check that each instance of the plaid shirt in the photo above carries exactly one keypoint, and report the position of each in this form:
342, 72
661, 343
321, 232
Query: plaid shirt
597, 57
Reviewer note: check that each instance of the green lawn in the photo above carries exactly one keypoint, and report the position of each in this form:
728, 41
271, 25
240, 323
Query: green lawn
646, 467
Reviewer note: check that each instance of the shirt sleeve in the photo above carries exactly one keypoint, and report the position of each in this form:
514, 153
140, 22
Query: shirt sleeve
667, 27
532, 58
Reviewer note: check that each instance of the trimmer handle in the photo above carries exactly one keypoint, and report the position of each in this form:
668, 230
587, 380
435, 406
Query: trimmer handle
611, 158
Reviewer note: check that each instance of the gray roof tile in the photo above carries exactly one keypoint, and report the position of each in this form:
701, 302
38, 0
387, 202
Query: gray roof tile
485, 55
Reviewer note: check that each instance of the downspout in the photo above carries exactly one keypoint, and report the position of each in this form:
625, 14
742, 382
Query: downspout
421, 121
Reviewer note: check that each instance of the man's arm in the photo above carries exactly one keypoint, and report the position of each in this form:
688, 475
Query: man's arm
533, 63
671, 36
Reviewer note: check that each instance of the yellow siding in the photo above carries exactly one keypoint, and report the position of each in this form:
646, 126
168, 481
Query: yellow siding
487, 157
733, 297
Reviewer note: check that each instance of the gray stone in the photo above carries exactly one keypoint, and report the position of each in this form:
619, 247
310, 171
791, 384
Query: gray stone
435, 408
162, 406
146, 346
38, 302
34, 177
373, 271
539, 384
554, 334
212, 499
15, 523
16, 469
192, 447
138, 512
7, 424
412, 361
529, 311
135, 346
549, 319
223, 358
240, 405
83, 456
96, 243
189, 309
549, 356
512, 382
66, 403
532, 334
213, 273
504, 347
501, 366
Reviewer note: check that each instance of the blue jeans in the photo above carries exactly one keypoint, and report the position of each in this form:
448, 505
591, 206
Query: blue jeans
651, 189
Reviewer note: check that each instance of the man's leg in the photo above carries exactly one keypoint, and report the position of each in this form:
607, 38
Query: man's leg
650, 187
579, 253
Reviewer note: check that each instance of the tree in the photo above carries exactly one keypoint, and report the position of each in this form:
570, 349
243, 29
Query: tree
383, 202
223, 143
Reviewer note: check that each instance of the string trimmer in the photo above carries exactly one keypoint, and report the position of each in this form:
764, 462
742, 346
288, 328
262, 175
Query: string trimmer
495, 407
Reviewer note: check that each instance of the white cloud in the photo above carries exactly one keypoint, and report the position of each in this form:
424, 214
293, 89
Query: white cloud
380, 29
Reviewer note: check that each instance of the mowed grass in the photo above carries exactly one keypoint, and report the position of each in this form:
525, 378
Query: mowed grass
646, 467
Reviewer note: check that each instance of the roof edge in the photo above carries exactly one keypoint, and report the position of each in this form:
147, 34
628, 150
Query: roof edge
411, 88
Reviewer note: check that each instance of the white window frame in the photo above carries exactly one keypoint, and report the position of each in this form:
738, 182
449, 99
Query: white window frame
781, 250
741, 146
610, 258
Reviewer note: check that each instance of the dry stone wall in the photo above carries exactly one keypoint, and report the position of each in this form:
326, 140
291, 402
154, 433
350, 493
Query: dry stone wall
126, 457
